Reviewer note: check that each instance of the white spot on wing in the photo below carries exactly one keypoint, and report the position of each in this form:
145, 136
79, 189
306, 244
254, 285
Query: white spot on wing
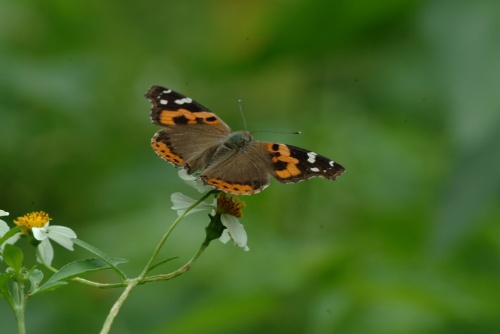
168, 91
314, 169
332, 163
164, 102
312, 157
183, 100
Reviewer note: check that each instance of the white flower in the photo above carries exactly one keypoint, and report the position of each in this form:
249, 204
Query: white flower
234, 230
4, 228
60, 234
193, 181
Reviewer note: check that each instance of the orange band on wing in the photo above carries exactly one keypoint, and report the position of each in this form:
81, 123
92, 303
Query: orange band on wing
166, 153
281, 153
183, 116
233, 188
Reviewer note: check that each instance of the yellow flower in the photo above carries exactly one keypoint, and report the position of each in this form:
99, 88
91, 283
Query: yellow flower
38, 224
32, 219
231, 205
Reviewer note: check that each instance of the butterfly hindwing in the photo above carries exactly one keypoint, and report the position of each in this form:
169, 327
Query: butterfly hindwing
243, 172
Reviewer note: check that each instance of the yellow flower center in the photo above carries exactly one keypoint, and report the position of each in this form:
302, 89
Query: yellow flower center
32, 219
230, 205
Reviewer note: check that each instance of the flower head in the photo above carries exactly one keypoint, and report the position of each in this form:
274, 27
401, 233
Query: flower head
230, 208
225, 210
230, 205
32, 219
38, 224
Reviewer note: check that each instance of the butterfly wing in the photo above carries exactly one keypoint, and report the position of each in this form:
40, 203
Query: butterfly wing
192, 133
291, 164
242, 171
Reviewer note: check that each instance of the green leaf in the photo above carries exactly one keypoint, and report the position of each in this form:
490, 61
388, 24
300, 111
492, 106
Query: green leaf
110, 261
49, 286
35, 278
13, 257
75, 269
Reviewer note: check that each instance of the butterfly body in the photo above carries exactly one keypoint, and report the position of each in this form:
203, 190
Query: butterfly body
196, 139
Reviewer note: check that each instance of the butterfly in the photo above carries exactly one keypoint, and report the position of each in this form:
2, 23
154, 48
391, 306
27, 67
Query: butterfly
231, 161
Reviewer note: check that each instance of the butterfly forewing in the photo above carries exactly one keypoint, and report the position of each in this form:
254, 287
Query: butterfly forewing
191, 134
293, 164
171, 109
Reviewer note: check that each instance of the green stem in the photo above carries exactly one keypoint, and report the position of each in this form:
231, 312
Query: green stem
19, 305
132, 283
181, 270
169, 231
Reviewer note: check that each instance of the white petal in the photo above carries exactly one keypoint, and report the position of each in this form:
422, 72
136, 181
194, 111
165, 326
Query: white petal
13, 239
193, 181
225, 237
236, 230
3, 213
181, 202
40, 233
62, 235
46, 250
4, 228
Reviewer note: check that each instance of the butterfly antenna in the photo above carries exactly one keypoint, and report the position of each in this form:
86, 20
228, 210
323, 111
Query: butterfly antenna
240, 105
283, 132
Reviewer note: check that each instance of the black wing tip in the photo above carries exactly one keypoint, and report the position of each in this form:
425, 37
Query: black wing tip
154, 91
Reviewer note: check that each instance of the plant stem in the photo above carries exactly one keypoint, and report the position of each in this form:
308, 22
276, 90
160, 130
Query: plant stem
169, 231
117, 305
19, 305
132, 283
179, 271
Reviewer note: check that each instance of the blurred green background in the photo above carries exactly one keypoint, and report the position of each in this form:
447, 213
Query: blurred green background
404, 94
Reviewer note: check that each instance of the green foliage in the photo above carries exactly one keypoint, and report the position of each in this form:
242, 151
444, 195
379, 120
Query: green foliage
13, 257
103, 262
75, 269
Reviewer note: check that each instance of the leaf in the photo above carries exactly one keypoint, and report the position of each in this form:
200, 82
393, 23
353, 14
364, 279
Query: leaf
35, 278
49, 286
110, 261
13, 257
74, 269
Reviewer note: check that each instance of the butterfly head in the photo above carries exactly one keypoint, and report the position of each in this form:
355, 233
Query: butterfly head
238, 139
